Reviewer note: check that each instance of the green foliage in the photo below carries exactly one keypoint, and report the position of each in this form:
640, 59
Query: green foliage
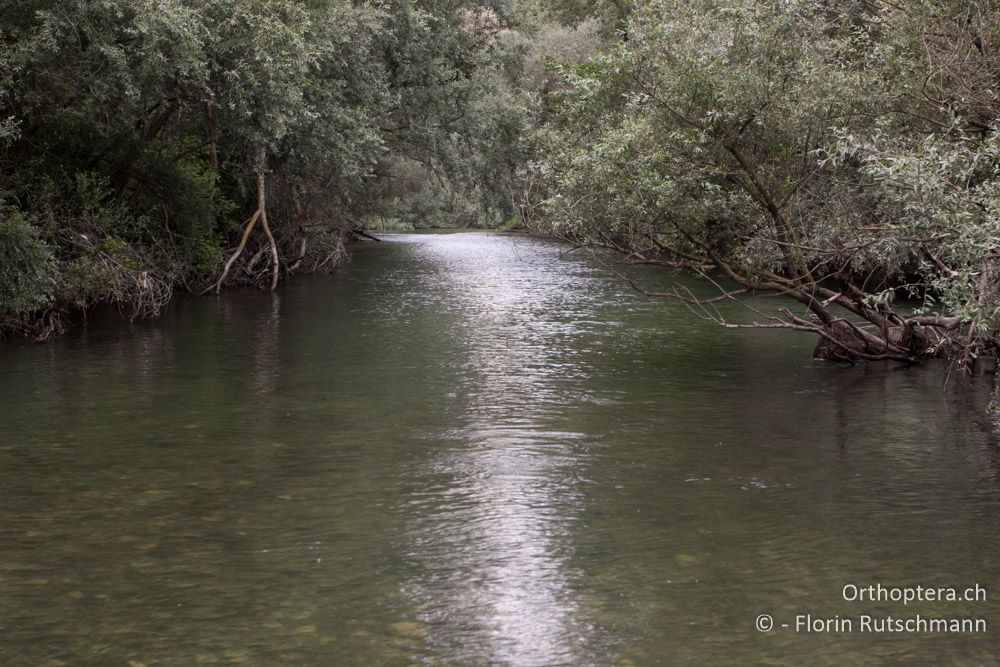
26, 265
831, 152
942, 200
458, 117
798, 146
132, 132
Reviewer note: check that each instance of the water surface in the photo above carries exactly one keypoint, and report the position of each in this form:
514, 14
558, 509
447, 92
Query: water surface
475, 449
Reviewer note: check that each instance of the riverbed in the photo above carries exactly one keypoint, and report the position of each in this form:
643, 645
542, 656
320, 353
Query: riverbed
480, 449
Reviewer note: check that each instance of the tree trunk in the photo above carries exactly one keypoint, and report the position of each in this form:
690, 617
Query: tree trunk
258, 215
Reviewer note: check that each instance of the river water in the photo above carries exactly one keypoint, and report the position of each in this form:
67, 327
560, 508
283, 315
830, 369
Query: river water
476, 449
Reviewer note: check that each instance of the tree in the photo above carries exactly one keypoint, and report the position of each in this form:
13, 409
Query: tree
737, 140
136, 135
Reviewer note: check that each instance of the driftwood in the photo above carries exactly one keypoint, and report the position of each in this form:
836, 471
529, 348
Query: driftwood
363, 234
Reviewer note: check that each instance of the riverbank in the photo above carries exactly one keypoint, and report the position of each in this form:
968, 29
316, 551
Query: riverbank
57, 284
115, 277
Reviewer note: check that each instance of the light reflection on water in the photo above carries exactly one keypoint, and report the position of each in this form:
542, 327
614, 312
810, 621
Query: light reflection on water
465, 449
492, 556
495, 540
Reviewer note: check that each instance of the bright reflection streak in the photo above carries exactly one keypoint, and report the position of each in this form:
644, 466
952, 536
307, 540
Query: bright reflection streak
501, 574
492, 540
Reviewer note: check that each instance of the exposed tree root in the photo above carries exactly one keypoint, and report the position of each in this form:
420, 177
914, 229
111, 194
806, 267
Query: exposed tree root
258, 215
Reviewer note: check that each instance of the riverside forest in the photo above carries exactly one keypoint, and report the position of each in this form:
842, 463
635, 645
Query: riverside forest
515, 332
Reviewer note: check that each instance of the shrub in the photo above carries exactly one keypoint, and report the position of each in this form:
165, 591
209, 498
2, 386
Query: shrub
26, 265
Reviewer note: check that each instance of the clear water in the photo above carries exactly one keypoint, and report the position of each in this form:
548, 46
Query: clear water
472, 449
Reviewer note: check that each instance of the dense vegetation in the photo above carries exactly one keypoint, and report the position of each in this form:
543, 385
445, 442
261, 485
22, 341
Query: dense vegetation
151, 144
843, 154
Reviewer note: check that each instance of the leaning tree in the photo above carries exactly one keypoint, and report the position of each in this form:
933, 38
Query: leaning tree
843, 155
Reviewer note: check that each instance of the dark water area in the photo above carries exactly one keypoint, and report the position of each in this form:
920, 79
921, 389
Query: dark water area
475, 449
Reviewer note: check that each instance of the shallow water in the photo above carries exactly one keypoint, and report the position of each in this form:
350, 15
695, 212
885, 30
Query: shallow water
474, 449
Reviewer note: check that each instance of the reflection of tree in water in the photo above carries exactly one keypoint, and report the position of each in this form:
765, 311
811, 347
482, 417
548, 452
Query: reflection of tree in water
255, 332
929, 409
979, 434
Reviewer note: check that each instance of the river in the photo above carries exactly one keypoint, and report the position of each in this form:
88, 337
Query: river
478, 449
